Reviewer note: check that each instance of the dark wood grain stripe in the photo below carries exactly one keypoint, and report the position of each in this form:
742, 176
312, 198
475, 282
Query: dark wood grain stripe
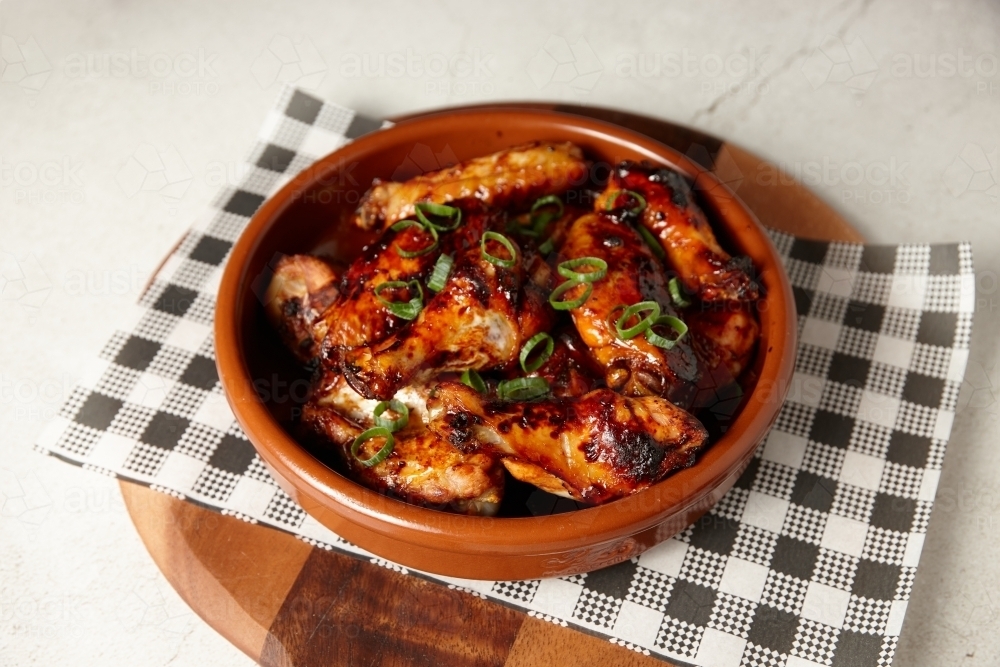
342, 611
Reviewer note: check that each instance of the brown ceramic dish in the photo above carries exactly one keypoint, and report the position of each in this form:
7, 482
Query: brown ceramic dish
310, 214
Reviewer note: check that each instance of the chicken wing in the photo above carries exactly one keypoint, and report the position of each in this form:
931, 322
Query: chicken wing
569, 371
594, 448
512, 177
635, 366
725, 339
358, 317
478, 321
422, 468
300, 291
674, 218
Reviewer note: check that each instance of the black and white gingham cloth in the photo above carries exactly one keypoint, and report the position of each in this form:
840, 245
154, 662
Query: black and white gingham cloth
809, 560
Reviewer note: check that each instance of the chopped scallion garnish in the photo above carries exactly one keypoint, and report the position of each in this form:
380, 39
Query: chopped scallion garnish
408, 310
397, 424
372, 434
522, 389
536, 363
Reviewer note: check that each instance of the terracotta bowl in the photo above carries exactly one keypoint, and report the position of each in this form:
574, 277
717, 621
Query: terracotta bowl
264, 386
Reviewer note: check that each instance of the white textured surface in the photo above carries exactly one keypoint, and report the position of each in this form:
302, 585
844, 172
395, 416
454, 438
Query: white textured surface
104, 166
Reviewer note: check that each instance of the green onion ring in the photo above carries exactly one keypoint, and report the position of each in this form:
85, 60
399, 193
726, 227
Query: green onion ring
471, 378
539, 223
651, 241
639, 207
506, 243
403, 224
408, 310
651, 307
600, 269
533, 342
565, 287
677, 293
440, 210
661, 341
547, 247
397, 424
371, 434
439, 276
522, 389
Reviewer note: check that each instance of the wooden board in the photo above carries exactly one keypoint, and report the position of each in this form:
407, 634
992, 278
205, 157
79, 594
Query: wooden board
283, 602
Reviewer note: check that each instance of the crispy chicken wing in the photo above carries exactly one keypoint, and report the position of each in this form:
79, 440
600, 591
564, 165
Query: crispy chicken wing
594, 448
724, 338
301, 289
422, 468
510, 177
673, 217
358, 317
634, 367
478, 321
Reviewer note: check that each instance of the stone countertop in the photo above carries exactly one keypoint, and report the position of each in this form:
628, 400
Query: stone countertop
887, 109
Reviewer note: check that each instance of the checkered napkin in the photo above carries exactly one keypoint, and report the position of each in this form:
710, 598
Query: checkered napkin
809, 560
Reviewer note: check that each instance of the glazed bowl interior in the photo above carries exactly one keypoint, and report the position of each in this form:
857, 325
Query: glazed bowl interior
312, 214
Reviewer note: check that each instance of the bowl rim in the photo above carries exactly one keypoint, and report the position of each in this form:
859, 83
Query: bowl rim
600, 524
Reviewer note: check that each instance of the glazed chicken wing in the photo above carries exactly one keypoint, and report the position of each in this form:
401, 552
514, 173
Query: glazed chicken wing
512, 177
594, 448
724, 338
301, 290
674, 218
358, 317
422, 468
635, 366
479, 320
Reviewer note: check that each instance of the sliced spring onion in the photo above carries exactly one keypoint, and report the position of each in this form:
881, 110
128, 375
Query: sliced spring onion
541, 218
506, 243
640, 201
439, 276
600, 269
522, 389
666, 321
650, 307
408, 310
471, 378
677, 293
397, 424
547, 247
371, 434
554, 298
651, 241
446, 218
403, 224
533, 342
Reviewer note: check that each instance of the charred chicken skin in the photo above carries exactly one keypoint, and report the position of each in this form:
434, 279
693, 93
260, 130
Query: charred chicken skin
422, 468
674, 218
593, 448
359, 317
301, 290
633, 366
512, 177
478, 321
575, 401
